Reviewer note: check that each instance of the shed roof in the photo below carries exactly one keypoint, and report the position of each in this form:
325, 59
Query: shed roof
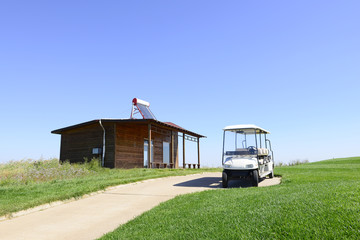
168, 125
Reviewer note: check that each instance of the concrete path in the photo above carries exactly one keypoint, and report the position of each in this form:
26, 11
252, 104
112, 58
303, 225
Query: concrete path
91, 217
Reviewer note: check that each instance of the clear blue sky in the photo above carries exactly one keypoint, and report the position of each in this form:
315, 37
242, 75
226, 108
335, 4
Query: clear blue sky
292, 67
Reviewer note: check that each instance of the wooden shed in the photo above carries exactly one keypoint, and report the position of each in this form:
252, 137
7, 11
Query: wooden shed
124, 143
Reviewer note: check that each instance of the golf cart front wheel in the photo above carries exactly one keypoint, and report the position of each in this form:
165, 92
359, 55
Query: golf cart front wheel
224, 180
255, 178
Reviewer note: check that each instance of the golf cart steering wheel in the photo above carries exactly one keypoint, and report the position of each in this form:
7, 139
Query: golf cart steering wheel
251, 149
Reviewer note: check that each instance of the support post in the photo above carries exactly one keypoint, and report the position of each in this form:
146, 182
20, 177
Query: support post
265, 141
172, 149
224, 148
184, 150
176, 149
198, 148
149, 146
256, 140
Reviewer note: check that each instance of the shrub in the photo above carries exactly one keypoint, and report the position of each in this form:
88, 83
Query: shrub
94, 164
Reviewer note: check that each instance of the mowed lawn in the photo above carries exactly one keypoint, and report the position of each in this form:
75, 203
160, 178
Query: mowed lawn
315, 201
26, 184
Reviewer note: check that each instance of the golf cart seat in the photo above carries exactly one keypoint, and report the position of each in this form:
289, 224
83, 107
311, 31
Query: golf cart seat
263, 151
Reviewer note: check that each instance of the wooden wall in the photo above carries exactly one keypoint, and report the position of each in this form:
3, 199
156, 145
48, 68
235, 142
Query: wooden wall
77, 144
129, 145
109, 145
124, 144
130, 137
176, 149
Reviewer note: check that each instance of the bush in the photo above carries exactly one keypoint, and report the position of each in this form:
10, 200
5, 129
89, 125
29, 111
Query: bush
94, 164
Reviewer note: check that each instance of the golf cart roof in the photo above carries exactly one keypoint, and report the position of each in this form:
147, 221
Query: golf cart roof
246, 128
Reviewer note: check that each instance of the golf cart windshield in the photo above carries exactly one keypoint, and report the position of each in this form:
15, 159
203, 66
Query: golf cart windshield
244, 151
246, 139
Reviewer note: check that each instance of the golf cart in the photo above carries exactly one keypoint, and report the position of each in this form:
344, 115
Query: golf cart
248, 155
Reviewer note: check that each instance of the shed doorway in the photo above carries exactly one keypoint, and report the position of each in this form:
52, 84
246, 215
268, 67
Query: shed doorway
166, 152
146, 143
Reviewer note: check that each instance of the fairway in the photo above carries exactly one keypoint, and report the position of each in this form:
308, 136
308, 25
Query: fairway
316, 200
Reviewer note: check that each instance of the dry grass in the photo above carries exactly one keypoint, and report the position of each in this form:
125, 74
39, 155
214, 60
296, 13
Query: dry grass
292, 163
35, 171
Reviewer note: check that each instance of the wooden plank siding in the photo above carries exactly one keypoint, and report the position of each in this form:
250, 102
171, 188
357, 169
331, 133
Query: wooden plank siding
129, 141
130, 137
77, 144
176, 149
124, 143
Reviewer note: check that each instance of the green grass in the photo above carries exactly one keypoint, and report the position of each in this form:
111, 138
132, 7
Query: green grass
315, 201
26, 184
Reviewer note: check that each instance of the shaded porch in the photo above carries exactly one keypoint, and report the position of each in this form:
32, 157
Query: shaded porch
176, 133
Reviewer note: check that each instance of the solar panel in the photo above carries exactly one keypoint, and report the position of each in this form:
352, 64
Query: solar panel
142, 107
145, 112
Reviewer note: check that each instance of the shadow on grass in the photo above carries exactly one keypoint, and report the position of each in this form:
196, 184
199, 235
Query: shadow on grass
242, 183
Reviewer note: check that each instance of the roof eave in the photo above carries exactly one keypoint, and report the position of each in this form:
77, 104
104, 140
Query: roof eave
61, 130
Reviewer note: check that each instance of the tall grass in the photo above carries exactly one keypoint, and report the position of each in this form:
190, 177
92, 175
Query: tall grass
35, 171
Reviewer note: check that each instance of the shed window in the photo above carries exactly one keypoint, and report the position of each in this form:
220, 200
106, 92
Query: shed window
146, 143
166, 152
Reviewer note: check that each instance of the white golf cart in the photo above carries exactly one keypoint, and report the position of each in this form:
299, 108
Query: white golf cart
248, 155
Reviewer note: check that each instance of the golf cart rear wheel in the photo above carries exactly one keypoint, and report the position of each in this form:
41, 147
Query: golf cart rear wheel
255, 178
224, 180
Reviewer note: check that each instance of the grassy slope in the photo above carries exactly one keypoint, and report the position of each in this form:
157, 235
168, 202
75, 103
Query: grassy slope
19, 196
316, 200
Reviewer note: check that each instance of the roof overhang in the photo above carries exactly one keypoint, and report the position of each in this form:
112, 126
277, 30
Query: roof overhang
169, 126
246, 128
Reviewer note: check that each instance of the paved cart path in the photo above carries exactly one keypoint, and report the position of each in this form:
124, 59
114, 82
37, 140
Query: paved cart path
91, 217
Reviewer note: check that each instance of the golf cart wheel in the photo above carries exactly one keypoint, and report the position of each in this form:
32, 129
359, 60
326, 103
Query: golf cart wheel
255, 178
224, 180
